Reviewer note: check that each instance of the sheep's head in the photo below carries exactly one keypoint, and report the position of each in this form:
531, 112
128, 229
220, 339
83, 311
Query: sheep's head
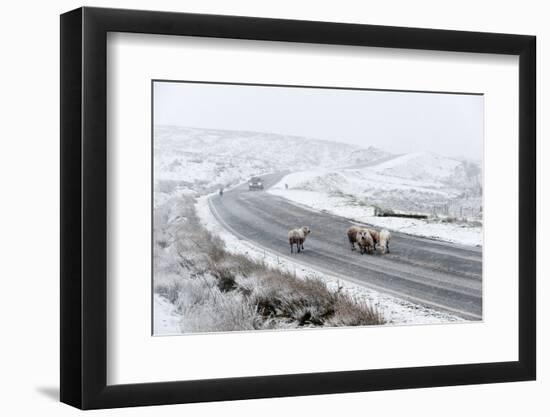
364, 237
306, 230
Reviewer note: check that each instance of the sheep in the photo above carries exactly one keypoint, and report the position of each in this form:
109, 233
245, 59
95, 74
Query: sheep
375, 236
384, 241
352, 233
365, 242
298, 237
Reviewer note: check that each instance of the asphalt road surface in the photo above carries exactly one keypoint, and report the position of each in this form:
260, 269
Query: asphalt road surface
440, 275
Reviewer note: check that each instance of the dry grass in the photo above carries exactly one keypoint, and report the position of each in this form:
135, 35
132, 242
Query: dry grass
215, 290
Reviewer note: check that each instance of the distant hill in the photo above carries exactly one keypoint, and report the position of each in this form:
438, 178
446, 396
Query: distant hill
204, 159
421, 182
428, 166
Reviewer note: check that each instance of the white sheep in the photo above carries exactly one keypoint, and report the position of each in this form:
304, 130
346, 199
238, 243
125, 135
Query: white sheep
384, 241
365, 242
352, 234
298, 237
375, 236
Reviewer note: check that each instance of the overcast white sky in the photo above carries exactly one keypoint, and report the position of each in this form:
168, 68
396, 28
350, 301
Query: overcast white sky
399, 122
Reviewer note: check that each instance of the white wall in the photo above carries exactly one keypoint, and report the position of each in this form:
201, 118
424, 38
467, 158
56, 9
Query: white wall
29, 214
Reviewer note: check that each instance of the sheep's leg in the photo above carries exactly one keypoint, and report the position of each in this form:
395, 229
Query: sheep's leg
388, 247
352, 246
291, 248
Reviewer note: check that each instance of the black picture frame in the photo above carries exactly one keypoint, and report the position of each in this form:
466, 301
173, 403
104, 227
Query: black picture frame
84, 207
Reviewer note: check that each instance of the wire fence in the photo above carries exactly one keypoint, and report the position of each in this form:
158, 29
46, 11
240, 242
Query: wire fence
457, 210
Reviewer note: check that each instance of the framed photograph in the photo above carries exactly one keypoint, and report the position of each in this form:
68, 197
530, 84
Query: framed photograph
256, 208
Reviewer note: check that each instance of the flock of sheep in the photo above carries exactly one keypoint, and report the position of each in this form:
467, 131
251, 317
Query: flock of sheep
366, 239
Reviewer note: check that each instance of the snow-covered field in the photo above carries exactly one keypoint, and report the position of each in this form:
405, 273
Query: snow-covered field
394, 310
203, 160
422, 183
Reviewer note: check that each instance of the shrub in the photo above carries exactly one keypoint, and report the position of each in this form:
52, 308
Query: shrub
226, 278
222, 312
169, 287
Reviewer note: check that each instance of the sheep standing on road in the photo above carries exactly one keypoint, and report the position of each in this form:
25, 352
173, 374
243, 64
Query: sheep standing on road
352, 235
298, 237
365, 242
384, 241
375, 236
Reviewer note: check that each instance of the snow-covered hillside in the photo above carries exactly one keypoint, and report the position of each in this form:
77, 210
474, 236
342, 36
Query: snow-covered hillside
440, 187
428, 165
418, 182
204, 159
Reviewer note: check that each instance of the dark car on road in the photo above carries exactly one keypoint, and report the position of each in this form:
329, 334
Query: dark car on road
255, 183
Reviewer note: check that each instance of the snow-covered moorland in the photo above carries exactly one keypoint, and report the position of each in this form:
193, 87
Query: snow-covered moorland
189, 162
206, 279
448, 191
203, 160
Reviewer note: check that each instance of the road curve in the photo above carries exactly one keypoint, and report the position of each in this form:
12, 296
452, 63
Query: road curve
440, 275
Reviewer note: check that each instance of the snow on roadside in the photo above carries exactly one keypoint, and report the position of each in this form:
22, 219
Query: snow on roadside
166, 319
340, 206
394, 310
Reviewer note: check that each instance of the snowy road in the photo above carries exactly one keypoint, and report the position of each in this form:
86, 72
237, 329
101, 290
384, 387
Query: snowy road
440, 275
